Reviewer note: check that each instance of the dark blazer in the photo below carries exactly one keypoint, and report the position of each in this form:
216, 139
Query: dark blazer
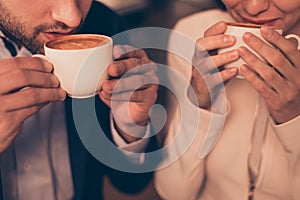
86, 170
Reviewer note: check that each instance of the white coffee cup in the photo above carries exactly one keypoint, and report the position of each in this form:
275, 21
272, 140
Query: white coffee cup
80, 62
238, 30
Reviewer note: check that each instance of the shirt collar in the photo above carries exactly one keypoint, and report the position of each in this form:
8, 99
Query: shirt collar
20, 50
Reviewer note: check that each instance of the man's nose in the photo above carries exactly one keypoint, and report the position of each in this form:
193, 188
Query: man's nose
67, 12
255, 7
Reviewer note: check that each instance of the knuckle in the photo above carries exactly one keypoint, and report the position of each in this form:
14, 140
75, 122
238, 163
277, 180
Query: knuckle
254, 60
270, 77
257, 43
279, 60
290, 96
13, 63
6, 125
22, 76
54, 80
153, 98
137, 62
297, 84
143, 54
276, 105
252, 78
42, 64
259, 87
4, 103
34, 95
119, 67
137, 53
207, 32
146, 61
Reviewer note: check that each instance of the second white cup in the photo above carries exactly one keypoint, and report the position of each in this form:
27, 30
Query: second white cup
238, 30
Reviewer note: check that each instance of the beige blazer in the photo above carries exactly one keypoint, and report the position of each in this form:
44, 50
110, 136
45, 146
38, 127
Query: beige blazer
223, 173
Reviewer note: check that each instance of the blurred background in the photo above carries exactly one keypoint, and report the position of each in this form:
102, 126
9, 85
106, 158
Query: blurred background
151, 13
161, 13
156, 13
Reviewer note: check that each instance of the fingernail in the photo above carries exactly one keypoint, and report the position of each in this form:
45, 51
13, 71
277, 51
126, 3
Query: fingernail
54, 80
113, 69
242, 51
234, 54
118, 68
228, 39
222, 25
106, 86
49, 67
266, 31
232, 71
62, 94
247, 37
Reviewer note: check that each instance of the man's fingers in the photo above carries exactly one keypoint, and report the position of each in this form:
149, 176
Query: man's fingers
128, 83
130, 65
28, 63
23, 114
30, 97
125, 51
26, 78
147, 94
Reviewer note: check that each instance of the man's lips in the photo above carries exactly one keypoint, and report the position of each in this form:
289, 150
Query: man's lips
53, 35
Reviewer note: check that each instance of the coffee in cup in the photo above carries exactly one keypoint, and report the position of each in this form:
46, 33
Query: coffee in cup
80, 62
77, 42
238, 30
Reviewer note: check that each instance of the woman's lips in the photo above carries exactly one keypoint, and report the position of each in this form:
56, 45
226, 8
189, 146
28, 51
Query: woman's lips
269, 22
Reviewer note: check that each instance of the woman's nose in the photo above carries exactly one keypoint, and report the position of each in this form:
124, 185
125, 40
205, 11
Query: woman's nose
255, 7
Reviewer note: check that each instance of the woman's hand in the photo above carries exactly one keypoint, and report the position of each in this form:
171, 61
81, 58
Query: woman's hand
207, 69
280, 86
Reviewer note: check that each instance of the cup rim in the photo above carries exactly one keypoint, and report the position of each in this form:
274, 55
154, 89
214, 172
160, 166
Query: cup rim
109, 41
249, 25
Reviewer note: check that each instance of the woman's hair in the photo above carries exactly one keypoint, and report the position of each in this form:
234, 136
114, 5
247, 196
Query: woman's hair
221, 5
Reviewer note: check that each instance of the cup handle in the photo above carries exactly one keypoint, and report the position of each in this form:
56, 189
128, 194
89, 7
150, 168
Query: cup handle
293, 36
41, 56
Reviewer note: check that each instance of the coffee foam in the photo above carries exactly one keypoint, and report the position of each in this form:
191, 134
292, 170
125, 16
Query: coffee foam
248, 25
76, 42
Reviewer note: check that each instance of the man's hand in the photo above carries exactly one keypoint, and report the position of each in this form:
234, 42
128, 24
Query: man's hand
131, 90
26, 85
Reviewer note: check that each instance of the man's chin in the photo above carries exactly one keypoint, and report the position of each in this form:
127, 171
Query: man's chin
35, 49
41, 51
